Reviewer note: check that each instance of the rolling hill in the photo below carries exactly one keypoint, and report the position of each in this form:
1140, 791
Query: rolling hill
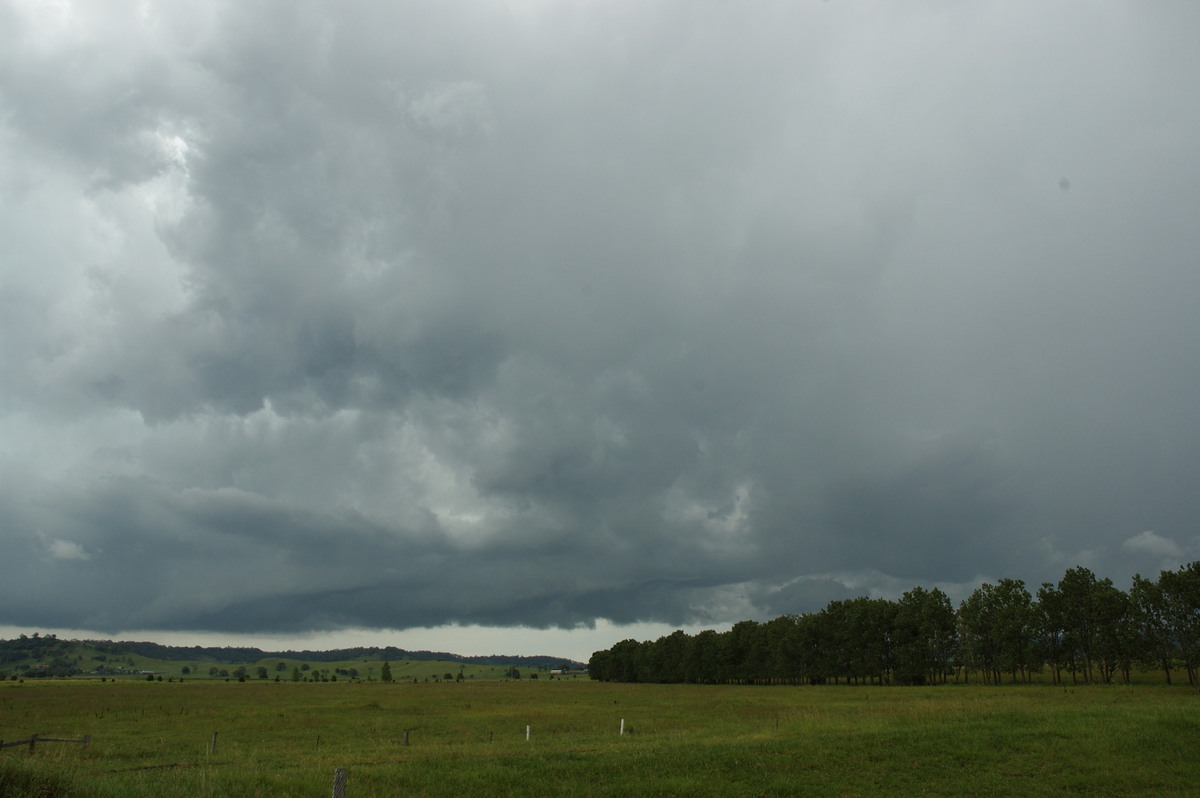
39, 656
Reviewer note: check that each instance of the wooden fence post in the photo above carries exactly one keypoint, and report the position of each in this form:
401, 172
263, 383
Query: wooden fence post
87, 741
32, 742
339, 783
212, 745
405, 741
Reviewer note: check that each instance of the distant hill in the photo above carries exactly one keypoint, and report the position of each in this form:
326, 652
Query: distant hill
231, 655
46, 655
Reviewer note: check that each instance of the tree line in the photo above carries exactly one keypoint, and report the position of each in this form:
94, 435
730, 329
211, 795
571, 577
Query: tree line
1083, 628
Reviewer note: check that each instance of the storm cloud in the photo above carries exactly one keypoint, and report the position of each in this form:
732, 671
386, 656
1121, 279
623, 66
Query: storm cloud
391, 315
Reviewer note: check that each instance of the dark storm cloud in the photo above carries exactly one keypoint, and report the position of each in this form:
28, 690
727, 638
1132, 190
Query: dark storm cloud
537, 314
944, 514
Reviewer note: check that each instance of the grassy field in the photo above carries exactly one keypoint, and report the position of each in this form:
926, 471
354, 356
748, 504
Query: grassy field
469, 739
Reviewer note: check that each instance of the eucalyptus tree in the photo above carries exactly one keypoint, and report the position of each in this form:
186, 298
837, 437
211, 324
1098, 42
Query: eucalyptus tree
1155, 638
784, 655
1050, 630
743, 653
924, 638
1078, 619
836, 641
811, 648
1116, 643
599, 666
1089, 618
623, 662
876, 619
702, 662
668, 656
857, 633
997, 625
1181, 593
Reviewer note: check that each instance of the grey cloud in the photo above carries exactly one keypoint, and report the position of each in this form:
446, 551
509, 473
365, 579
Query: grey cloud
395, 315
939, 517
236, 561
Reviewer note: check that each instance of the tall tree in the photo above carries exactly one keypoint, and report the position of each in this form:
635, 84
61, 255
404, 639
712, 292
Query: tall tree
1181, 592
1115, 639
600, 666
1091, 616
1079, 619
669, 654
876, 623
743, 653
783, 654
924, 637
625, 661
702, 665
997, 625
1050, 630
1156, 644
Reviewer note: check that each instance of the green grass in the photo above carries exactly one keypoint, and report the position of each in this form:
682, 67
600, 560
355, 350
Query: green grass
468, 739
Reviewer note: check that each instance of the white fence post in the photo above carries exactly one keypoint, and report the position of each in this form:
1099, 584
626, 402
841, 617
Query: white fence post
339, 782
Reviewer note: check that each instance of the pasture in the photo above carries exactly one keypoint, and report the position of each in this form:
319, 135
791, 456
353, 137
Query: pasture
469, 739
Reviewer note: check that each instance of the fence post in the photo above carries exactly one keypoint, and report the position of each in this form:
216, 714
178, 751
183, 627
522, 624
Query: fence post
339, 783
212, 746
87, 741
32, 742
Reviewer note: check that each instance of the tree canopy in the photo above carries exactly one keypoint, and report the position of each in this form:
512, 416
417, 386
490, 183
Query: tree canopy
1082, 626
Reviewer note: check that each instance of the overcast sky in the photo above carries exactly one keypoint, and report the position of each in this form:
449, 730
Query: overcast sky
336, 322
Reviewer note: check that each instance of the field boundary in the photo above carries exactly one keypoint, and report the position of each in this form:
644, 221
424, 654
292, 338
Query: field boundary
33, 740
